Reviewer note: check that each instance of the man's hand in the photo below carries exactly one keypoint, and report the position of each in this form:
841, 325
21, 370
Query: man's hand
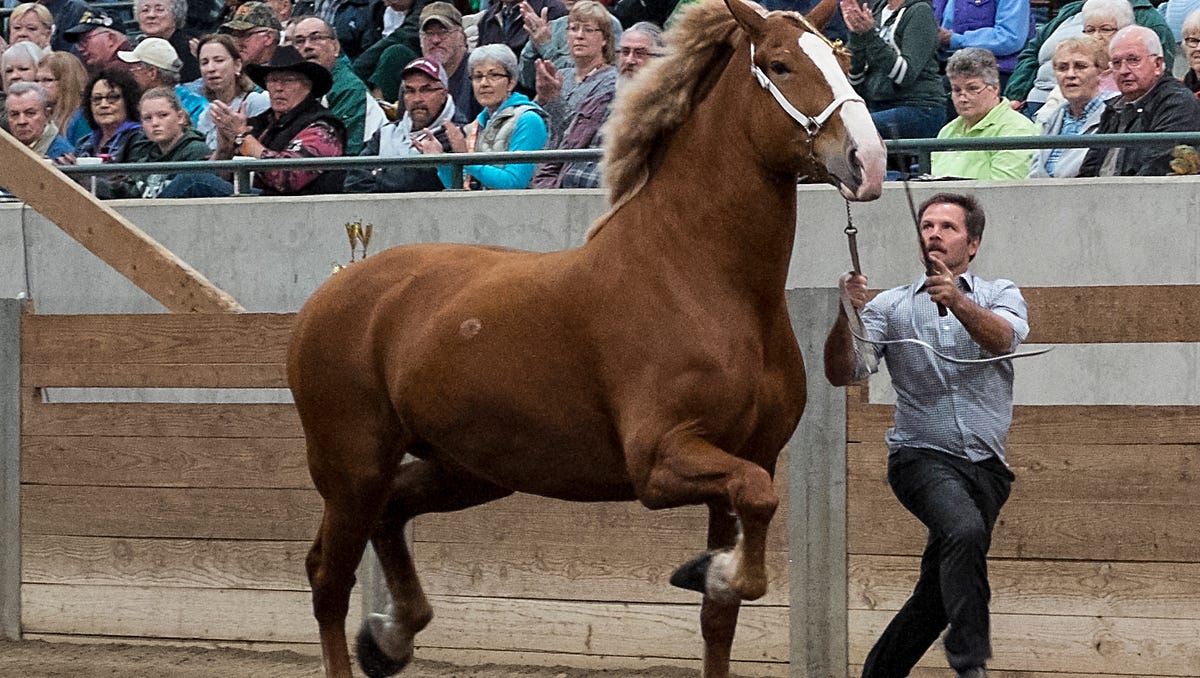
858, 17
942, 286
855, 289
1017, 105
944, 36
549, 82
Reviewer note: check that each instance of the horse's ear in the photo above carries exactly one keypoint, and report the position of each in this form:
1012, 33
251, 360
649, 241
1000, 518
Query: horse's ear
751, 17
819, 16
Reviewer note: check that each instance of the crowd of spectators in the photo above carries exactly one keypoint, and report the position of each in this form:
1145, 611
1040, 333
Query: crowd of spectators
220, 79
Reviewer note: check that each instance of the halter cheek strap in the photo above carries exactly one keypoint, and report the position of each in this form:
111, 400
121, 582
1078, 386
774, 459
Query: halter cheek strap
811, 125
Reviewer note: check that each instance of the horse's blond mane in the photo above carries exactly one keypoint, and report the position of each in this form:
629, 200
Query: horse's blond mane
661, 99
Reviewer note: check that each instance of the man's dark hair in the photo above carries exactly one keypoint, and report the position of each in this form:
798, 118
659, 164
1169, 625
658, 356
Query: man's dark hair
969, 205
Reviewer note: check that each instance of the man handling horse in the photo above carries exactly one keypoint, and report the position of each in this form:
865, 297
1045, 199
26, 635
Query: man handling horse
946, 450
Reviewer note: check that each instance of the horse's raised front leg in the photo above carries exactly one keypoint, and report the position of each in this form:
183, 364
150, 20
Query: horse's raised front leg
689, 470
385, 642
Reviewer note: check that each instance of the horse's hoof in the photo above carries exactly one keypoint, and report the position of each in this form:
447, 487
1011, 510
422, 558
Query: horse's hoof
374, 661
693, 575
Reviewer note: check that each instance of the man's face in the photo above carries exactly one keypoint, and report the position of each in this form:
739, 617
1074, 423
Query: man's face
636, 51
944, 230
1134, 68
98, 46
424, 99
255, 44
443, 44
27, 117
145, 75
313, 40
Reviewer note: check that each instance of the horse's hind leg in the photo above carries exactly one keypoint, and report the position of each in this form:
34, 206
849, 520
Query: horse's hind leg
385, 643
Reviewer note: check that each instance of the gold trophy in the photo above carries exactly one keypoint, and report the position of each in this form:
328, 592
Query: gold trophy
357, 233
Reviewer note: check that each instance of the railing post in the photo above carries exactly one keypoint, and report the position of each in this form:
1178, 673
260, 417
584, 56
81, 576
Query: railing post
10, 469
817, 502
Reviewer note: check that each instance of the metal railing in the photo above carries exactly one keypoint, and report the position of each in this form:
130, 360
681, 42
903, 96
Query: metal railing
242, 167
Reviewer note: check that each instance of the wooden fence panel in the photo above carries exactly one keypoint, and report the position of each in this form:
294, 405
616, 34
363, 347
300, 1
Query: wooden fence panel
1095, 561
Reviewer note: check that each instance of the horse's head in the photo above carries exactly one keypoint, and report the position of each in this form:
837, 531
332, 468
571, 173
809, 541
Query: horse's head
805, 95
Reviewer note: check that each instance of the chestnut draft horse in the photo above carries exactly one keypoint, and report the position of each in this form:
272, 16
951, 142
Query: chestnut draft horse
656, 362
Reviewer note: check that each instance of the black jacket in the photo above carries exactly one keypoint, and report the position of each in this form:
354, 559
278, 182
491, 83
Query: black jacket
1169, 107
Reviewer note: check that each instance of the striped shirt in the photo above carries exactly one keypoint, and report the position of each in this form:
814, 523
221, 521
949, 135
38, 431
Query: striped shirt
963, 410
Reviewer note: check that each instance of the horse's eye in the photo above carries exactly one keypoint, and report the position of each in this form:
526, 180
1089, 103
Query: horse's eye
779, 68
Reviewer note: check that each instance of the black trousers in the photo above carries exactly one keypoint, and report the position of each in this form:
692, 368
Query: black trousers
958, 501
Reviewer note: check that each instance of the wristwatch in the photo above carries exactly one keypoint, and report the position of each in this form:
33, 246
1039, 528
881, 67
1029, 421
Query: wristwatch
240, 139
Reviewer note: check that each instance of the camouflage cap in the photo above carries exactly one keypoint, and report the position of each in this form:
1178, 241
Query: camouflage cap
442, 12
250, 15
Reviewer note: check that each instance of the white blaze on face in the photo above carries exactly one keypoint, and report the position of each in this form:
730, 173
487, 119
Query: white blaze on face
862, 137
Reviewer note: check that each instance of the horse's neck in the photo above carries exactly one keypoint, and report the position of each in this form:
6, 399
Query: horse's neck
712, 205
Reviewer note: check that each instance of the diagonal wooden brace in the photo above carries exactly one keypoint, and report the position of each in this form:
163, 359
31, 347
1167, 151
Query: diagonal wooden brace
120, 244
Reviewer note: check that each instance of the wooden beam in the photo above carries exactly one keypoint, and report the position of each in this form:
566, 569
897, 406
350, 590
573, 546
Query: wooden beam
108, 235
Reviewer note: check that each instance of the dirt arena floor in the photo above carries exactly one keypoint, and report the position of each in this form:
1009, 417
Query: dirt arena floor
39, 659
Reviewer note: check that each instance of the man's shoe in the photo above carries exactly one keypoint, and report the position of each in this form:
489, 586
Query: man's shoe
977, 672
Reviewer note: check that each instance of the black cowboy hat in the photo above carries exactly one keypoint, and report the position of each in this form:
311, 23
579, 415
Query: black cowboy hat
286, 58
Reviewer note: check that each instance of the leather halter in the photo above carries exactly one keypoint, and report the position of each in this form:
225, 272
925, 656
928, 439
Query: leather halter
811, 125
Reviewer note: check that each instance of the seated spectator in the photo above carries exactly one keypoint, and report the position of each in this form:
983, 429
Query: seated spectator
283, 12
982, 113
1151, 101
1001, 27
1191, 51
66, 13
1101, 20
442, 39
348, 98
510, 121
406, 33
641, 43
296, 126
19, 63
1021, 84
29, 121
427, 109
256, 30
63, 77
33, 22
548, 42
1079, 63
110, 106
1174, 13
98, 37
167, 125
166, 19
154, 63
894, 67
593, 52
224, 80
503, 23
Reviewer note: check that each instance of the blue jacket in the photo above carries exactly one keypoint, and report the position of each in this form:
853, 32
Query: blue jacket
529, 133
1000, 26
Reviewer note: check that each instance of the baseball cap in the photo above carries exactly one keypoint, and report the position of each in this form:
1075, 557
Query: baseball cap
154, 51
429, 67
443, 13
253, 15
91, 20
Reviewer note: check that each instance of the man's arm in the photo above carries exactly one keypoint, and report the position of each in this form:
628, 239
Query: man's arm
988, 329
841, 361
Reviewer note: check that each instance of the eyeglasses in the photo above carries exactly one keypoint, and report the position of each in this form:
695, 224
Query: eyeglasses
154, 9
1191, 42
971, 91
488, 77
580, 28
251, 33
302, 40
422, 91
638, 53
439, 32
112, 98
1130, 61
280, 79
1102, 30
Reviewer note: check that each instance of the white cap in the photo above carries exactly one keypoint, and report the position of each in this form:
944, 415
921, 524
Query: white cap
154, 51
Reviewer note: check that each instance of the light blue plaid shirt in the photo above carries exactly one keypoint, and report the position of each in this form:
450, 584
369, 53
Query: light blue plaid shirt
963, 410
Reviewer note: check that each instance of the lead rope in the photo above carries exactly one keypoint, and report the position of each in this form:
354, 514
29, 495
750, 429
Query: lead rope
868, 358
